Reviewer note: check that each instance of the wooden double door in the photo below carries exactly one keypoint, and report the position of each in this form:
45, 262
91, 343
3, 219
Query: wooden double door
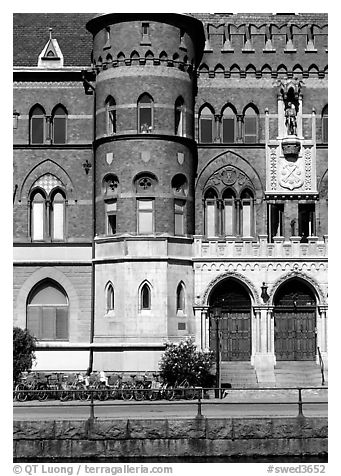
295, 334
233, 334
295, 321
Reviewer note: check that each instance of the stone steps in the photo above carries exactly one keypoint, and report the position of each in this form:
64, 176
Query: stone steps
238, 374
289, 373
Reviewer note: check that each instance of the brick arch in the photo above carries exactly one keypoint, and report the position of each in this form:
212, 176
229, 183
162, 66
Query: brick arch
48, 272
235, 160
45, 167
254, 295
311, 282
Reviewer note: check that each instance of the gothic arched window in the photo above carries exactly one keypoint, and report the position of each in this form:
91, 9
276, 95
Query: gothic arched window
229, 215
180, 297
247, 214
145, 297
229, 125
179, 117
59, 120
110, 295
48, 312
38, 215
37, 125
110, 106
211, 212
145, 114
250, 125
57, 216
206, 124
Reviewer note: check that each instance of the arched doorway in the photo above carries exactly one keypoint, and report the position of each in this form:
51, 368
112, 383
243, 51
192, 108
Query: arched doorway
295, 321
230, 304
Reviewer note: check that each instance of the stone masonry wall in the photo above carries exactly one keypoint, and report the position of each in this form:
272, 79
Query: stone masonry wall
156, 438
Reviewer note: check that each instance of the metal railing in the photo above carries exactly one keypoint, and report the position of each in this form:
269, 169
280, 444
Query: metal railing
321, 365
200, 399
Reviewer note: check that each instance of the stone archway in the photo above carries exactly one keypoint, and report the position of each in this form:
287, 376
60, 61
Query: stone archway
295, 321
230, 320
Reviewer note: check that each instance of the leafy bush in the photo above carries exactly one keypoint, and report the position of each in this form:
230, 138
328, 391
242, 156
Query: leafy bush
184, 361
24, 345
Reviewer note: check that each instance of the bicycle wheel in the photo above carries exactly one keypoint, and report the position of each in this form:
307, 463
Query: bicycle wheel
139, 393
64, 395
21, 393
154, 395
42, 394
127, 392
102, 392
169, 393
189, 393
82, 393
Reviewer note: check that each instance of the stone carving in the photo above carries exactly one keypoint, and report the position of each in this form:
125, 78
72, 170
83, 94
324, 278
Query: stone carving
291, 175
228, 176
47, 182
308, 167
290, 119
273, 168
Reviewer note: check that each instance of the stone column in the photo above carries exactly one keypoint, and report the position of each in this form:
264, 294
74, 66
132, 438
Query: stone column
201, 326
197, 319
313, 126
299, 117
217, 119
281, 117
266, 126
239, 128
264, 360
322, 329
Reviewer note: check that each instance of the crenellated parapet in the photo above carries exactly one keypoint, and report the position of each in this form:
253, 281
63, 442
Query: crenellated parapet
265, 45
170, 40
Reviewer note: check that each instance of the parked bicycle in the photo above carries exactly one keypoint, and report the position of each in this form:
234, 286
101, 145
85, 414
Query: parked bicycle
29, 387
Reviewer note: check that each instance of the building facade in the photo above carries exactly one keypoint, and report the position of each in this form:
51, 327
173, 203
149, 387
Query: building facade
170, 180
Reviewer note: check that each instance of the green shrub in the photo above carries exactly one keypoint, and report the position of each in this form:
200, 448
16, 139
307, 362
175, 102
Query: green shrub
184, 361
24, 345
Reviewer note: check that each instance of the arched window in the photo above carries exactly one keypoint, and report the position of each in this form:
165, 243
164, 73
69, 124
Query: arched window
38, 215
206, 124
180, 297
37, 125
229, 125
48, 312
229, 215
325, 124
247, 213
250, 125
179, 117
57, 216
110, 105
211, 212
110, 298
145, 115
145, 184
59, 117
47, 209
145, 297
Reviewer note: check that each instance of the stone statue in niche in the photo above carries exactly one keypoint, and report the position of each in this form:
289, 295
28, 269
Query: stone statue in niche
290, 119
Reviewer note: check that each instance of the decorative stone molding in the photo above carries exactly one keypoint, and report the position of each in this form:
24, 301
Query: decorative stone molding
297, 274
252, 289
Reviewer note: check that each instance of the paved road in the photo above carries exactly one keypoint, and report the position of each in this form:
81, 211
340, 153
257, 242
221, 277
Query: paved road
139, 410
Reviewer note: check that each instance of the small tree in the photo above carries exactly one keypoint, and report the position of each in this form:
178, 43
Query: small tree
24, 345
184, 361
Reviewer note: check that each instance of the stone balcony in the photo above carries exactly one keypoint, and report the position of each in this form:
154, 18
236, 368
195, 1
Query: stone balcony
250, 248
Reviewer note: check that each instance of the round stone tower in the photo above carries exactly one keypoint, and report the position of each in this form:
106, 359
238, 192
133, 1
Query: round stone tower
145, 164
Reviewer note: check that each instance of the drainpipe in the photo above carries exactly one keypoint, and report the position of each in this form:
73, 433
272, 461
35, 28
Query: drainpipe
91, 90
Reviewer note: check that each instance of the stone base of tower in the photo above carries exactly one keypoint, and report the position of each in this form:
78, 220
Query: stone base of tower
127, 360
